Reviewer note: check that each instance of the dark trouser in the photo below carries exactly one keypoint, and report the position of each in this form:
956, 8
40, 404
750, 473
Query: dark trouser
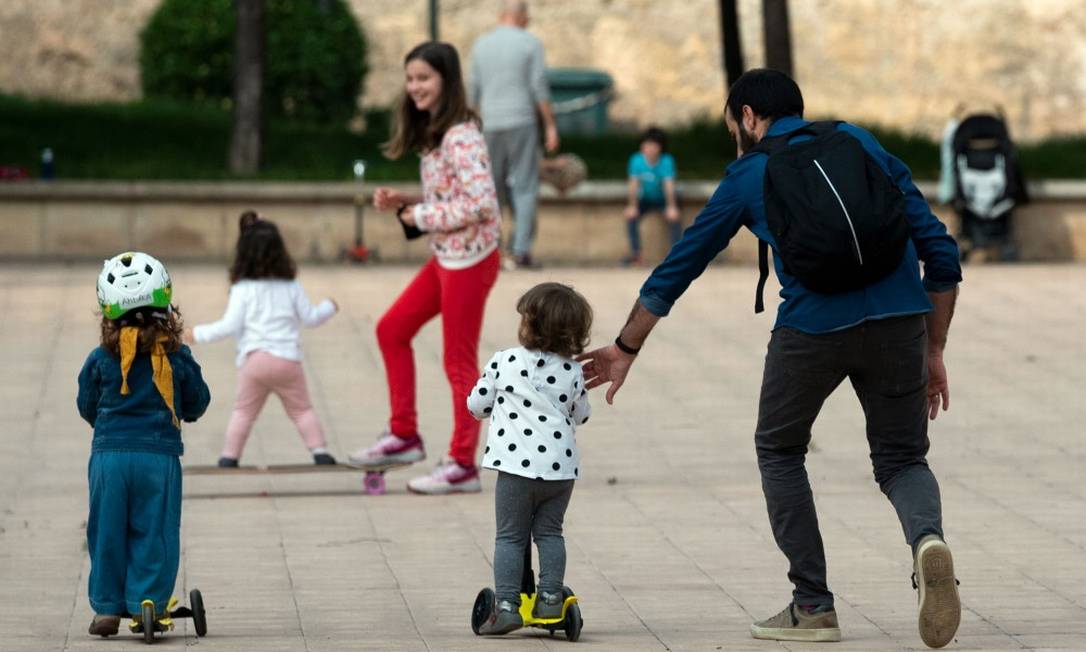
525, 506
886, 361
633, 225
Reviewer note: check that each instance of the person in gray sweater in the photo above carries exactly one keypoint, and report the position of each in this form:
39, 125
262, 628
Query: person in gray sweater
507, 85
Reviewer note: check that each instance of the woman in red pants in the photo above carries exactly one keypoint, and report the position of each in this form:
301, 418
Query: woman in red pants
459, 209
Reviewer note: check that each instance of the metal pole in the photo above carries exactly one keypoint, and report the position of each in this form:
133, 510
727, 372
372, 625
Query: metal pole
433, 20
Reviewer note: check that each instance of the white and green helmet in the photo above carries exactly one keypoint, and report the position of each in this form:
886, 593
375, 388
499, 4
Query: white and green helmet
133, 280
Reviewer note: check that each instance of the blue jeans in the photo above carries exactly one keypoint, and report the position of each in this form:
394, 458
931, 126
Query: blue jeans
133, 530
633, 226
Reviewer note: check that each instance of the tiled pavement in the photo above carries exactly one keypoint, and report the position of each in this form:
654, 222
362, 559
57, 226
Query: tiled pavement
669, 545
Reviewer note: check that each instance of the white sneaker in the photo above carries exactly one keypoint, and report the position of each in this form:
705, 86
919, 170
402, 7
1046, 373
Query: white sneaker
448, 478
389, 450
940, 606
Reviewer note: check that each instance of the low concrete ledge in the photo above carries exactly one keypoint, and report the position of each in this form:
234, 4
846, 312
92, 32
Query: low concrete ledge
80, 220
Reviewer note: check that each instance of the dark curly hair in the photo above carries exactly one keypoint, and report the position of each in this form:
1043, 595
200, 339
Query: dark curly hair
152, 323
554, 318
261, 252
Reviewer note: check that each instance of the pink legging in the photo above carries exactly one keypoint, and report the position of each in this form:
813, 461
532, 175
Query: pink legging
459, 296
261, 374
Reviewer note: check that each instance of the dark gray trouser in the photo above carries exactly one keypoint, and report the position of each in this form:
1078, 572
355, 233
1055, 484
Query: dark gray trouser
524, 506
514, 163
886, 361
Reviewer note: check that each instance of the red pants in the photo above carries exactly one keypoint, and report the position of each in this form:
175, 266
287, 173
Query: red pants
459, 296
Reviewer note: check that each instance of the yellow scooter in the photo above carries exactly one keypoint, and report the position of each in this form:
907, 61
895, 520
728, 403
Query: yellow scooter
569, 621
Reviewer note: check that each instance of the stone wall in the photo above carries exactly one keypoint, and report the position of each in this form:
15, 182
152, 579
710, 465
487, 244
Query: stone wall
198, 221
901, 64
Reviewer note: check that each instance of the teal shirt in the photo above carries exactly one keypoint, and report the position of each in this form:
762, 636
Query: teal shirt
139, 421
651, 177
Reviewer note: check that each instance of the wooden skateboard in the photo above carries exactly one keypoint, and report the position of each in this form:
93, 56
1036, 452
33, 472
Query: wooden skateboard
373, 482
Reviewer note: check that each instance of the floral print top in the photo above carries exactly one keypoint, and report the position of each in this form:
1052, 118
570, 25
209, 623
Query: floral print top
460, 205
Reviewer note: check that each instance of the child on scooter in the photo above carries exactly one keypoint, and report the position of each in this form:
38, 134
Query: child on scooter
535, 398
135, 389
265, 312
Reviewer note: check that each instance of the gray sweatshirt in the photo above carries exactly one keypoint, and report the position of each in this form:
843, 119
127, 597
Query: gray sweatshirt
506, 79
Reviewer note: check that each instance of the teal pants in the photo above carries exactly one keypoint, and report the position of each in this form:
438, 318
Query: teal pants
134, 530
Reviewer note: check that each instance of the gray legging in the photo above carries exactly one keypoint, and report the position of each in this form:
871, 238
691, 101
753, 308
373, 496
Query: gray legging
524, 506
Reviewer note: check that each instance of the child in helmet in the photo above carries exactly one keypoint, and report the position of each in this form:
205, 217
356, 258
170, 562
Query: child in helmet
535, 398
265, 312
136, 388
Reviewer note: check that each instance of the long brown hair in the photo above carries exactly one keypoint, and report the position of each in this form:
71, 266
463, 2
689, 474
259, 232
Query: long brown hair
152, 322
554, 318
261, 252
419, 131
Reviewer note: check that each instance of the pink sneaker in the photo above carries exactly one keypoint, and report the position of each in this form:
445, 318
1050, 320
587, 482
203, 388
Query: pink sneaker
448, 478
389, 449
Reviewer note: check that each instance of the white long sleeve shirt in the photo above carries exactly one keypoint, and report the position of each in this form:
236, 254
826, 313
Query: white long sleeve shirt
266, 315
535, 400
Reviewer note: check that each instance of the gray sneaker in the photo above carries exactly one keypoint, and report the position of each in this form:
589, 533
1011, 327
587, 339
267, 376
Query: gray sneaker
794, 624
548, 605
940, 607
504, 619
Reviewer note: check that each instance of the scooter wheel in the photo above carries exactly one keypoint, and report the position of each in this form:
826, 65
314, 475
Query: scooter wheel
484, 606
148, 621
573, 623
199, 616
374, 483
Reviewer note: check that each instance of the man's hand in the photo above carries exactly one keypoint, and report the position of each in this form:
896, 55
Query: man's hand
606, 364
550, 139
631, 212
938, 387
671, 213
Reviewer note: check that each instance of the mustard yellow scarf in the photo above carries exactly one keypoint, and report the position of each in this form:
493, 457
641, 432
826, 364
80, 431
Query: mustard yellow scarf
160, 366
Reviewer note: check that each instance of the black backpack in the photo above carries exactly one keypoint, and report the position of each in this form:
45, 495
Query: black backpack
838, 218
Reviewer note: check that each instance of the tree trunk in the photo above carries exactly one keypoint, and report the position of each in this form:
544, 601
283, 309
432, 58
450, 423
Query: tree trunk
732, 46
245, 142
778, 36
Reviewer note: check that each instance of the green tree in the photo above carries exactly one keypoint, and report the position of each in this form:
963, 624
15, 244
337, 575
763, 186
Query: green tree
314, 63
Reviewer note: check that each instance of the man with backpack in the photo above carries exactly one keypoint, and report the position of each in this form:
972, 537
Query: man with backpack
848, 229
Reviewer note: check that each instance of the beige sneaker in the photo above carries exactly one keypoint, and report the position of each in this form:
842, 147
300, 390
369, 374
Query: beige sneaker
794, 624
940, 607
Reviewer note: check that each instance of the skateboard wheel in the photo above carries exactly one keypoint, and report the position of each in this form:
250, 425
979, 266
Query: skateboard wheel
573, 623
199, 616
374, 483
148, 621
484, 605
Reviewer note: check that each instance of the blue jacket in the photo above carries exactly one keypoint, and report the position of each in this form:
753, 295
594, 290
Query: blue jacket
738, 202
140, 420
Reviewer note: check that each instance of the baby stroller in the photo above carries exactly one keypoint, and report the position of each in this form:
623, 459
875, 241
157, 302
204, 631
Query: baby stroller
988, 184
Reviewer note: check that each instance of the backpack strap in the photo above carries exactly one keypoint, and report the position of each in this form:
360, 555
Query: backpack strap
763, 274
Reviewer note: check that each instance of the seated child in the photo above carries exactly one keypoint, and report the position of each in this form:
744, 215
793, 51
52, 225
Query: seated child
135, 389
265, 312
535, 398
651, 189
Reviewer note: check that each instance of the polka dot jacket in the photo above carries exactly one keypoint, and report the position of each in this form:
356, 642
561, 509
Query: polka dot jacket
535, 400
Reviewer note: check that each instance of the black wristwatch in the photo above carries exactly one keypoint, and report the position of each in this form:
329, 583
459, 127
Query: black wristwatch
400, 210
622, 346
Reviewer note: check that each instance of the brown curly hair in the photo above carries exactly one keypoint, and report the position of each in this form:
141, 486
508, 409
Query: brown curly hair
152, 322
261, 252
554, 318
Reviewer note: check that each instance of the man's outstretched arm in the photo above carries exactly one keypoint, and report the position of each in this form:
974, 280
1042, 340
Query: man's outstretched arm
611, 363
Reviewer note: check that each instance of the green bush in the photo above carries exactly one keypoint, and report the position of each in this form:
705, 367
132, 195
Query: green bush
314, 56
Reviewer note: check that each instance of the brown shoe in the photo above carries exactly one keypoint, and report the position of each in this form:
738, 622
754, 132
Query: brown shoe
104, 625
940, 606
795, 624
